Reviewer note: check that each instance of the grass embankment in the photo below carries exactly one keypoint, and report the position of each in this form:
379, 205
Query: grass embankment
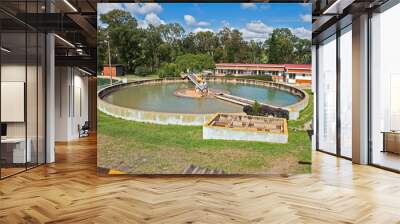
148, 148
104, 81
306, 114
143, 148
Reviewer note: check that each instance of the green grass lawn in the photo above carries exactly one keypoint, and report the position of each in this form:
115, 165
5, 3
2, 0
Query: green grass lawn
148, 148
142, 148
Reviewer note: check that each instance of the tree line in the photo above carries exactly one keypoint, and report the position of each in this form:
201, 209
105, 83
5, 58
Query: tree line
168, 50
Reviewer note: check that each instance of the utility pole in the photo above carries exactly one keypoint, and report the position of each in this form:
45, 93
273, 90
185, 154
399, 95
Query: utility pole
109, 58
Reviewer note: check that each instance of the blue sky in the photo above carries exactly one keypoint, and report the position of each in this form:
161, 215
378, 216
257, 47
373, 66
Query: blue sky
255, 20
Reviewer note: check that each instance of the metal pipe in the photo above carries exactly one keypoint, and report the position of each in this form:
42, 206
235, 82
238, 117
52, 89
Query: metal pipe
109, 58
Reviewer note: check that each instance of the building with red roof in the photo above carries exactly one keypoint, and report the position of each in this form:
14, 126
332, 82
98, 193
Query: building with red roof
287, 73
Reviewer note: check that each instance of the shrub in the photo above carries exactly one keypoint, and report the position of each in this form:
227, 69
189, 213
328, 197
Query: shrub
195, 62
264, 110
168, 70
256, 109
142, 71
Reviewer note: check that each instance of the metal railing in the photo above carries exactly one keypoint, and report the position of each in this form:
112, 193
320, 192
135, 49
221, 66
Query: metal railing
200, 86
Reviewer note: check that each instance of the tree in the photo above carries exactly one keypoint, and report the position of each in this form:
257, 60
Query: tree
131, 50
235, 45
195, 62
166, 53
188, 44
303, 51
280, 46
124, 36
172, 34
117, 18
255, 52
101, 48
205, 43
151, 45
224, 36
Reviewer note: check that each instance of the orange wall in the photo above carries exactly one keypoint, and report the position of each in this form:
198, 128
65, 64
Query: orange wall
303, 81
106, 71
299, 71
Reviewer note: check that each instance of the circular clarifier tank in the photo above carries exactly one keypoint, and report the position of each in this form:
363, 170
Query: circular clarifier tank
163, 98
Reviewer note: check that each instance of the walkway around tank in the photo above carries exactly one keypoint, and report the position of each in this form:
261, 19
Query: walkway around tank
247, 102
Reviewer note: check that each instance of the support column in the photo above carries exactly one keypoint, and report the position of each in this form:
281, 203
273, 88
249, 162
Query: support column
50, 99
314, 90
360, 90
92, 103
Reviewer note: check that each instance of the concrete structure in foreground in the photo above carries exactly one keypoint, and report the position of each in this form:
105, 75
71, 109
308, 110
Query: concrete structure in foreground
246, 128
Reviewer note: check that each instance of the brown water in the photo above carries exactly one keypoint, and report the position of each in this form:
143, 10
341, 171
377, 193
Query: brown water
161, 98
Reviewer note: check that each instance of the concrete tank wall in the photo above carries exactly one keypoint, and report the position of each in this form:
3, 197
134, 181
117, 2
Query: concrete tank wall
180, 118
242, 135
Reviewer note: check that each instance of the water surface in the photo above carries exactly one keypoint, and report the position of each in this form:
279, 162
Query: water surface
161, 98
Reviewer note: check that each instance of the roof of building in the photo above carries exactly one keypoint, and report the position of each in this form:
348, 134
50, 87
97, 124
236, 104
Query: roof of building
113, 65
286, 66
298, 66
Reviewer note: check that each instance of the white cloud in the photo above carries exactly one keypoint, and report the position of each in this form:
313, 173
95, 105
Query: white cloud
225, 23
305, 4
264, 7
134, 8
150, 19
248, 5
203, 23
258, 27
306, 17
150, 11
248, 35
259, 31
256, 30
103, 8
191, 21
153, 19
144, 8
301, 32
200, 29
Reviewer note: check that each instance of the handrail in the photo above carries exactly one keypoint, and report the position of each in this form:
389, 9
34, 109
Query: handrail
107, 85
201, 86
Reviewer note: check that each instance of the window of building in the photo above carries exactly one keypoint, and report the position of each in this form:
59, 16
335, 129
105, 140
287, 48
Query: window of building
326, 124
22, 77
346, 92
385, 89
